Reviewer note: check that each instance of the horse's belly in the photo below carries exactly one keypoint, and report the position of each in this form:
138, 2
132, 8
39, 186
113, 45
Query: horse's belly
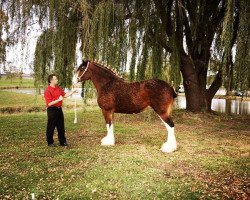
129, 111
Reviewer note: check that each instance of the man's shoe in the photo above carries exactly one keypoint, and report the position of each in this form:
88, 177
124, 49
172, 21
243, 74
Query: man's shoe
51, 145
65, 144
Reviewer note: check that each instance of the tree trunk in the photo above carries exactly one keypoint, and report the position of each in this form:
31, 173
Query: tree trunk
194, 74
191, 84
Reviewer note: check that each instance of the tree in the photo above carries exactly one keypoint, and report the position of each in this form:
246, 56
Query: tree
3, 26
56, 47
180, 37
190, 32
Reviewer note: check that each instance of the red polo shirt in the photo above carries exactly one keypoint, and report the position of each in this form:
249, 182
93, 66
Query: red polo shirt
52, 94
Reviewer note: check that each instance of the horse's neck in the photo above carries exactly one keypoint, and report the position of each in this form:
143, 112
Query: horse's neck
100, 78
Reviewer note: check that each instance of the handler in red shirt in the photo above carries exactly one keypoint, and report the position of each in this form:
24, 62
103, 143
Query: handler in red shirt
54, 98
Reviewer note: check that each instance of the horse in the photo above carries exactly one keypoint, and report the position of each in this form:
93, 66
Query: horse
115, 95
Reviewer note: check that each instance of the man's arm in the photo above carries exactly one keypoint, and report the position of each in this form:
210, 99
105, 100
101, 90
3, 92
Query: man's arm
69, 93
56, 101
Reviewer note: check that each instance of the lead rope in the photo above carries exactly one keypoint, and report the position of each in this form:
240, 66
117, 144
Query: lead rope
75, 120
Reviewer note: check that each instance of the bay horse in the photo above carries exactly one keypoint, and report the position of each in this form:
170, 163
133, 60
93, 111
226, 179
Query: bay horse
118, 96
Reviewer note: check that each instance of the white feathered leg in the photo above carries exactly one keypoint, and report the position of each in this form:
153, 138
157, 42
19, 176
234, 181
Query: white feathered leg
170, 145
109, 139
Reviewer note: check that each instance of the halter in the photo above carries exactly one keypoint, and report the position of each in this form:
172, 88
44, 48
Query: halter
79, 78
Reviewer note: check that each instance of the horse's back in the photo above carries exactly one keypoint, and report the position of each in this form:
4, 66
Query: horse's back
159, 87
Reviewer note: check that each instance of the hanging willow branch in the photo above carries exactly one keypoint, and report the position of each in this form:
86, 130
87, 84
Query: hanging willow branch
3, 26
150, 32
58, 46
43, 61
242, 63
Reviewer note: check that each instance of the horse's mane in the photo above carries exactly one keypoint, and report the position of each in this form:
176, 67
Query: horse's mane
102, 66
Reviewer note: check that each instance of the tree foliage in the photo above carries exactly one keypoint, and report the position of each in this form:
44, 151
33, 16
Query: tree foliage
242, 60
3, 26
169, 39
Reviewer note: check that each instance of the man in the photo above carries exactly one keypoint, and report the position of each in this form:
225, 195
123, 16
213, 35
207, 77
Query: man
54, 98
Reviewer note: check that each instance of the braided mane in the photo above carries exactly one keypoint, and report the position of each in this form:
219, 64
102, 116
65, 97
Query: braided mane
106, 68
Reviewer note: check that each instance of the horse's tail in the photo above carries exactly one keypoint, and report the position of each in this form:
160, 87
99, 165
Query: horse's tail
174, 92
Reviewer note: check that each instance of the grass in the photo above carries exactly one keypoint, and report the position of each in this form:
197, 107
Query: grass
12, 99
212, 160
11, 102
16, 82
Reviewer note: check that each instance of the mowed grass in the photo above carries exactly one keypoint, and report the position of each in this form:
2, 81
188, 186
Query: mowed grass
16, 82
12, 99
16, 102
212, 160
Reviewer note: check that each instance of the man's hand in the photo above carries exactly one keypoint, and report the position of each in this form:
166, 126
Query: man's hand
70, 93
74, 91
60, 98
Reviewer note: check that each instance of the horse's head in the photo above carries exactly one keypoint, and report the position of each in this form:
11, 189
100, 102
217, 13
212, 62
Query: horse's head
82, 73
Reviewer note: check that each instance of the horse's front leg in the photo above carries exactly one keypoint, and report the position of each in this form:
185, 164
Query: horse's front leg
109, 139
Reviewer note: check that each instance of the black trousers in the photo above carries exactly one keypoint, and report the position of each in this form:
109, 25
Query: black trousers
55, 119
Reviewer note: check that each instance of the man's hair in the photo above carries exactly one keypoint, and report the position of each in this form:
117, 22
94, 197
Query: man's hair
50, 77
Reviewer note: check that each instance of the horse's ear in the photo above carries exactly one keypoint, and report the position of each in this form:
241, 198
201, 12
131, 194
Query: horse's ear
85, 62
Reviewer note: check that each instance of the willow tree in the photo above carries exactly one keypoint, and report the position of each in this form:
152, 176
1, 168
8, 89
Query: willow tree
190, 33
60, 24
160, 39
242, 61
56, 47
3, 26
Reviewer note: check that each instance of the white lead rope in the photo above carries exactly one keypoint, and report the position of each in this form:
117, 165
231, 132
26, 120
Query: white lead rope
75, 120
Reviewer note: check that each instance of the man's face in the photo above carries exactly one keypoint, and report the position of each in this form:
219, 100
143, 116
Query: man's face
54, 80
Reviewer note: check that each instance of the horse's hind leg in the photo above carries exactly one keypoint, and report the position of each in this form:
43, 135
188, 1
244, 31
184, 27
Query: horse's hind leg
170, 145
109, 139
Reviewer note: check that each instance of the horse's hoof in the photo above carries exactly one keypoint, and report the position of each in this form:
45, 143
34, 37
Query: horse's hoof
168, 147
108, 141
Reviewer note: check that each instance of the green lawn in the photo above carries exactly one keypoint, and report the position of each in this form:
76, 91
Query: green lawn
16, 102
16, 82
212, 160
12, 99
